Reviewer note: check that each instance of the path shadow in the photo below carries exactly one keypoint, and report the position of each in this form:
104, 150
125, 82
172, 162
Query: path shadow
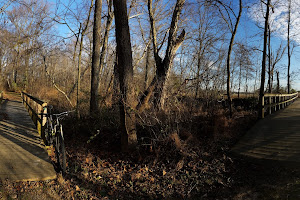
275, 138
21, 148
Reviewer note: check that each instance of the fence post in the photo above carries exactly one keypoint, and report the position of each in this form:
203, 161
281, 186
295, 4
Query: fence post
44, 120
39, 120
45, 111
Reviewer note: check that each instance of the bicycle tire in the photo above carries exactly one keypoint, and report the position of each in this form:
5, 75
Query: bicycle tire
47, 134
60, 150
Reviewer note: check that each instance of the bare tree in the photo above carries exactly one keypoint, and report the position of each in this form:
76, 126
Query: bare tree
125, 72
229, 54
95, 71
278, 83
207, 38
289, 50
28, 22
263, 68
157, 86
243, 55
109, 20
269, 57
274, 60
82, 34
233, 29
5, 5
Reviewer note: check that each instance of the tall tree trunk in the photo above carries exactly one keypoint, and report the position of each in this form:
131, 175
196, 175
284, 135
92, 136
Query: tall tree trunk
26, 71
269, 49
125, 69
1, 77
272, 79
240, 80
95, 71
157, 86
246, 83
228, 58
78, 77
263, 67
15, 75
79, 60
278, 84
289, 50
255, 82
116, 83
198, 70
109, 21
147, 67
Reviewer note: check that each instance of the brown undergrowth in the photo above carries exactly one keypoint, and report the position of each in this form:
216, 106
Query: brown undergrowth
183, 152
179, 155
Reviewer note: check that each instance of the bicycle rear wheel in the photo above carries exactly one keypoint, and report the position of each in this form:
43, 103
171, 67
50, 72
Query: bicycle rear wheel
47, 133
60, 150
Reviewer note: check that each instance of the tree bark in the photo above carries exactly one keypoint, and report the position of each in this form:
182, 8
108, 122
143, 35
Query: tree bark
198, 73
263, 68
109, 21
79, 60
96, 58
125, 70
269, 49
147, 67
157, 86
26, 72
289, 51
278, 84
240, 80
228, 58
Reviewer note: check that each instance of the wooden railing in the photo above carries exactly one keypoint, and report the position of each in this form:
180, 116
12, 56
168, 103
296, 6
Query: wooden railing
273, 102
35, 107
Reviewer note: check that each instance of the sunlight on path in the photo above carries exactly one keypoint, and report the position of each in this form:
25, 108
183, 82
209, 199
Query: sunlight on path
22, 155
277, 137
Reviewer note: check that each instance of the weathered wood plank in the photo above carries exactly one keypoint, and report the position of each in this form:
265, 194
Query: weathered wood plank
276, 102
35, 107
277, 137
23, 156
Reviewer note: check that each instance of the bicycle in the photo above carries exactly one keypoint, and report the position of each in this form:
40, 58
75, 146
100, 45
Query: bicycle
54, 136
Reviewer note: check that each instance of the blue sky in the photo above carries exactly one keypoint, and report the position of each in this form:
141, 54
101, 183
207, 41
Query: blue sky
249, 28
247, 31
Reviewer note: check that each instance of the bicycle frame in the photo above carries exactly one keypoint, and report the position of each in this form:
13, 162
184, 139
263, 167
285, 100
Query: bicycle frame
54, 136
52, 125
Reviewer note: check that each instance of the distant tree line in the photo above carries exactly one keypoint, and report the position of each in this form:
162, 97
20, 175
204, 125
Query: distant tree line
138, 55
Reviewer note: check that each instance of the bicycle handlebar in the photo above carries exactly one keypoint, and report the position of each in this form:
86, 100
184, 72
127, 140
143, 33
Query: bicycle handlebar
59, 115
63, 114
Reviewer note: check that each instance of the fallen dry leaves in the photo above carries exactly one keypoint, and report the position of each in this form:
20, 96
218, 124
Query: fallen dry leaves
175, 168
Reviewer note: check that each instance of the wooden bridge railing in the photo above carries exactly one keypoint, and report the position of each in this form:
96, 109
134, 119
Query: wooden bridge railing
35, 107
273, 102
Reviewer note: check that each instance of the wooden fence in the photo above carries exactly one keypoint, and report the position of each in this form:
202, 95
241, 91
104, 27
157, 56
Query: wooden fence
35, 107
273, 102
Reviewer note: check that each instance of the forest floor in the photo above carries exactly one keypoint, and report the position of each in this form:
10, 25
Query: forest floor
177, 167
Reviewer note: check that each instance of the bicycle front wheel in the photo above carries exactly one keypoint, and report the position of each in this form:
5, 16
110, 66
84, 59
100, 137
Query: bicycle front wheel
60, 150
47, 133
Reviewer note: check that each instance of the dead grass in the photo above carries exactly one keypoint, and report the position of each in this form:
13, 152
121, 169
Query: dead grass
184, 155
